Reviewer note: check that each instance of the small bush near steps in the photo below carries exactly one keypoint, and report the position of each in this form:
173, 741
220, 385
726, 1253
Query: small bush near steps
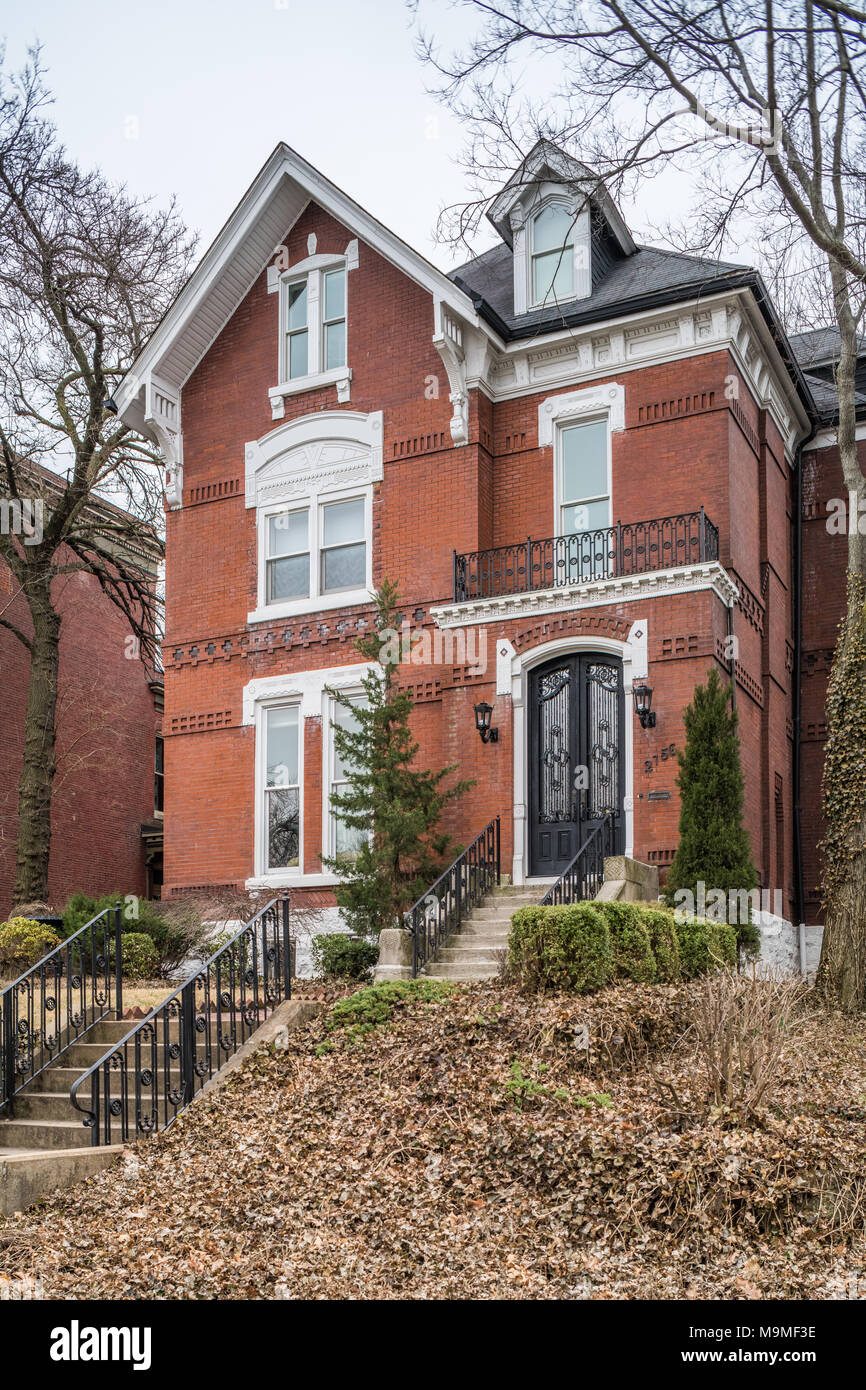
705, 946
373, 1007
139, 958
342, 957
566, 948
631, 943
23, 943
582, 947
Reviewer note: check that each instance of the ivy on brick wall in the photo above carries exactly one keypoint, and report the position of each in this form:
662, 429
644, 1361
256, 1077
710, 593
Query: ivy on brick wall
842, 973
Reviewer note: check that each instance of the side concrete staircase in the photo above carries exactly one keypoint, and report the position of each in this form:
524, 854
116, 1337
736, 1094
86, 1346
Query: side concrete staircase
61, 1023
45, 1145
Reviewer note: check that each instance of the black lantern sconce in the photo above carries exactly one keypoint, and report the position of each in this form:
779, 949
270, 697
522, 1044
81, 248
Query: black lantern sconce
643, 706
483, 714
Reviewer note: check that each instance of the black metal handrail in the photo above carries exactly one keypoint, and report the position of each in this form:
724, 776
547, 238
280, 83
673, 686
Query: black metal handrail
52, 1005
585, 874
142, 1083
437, 914
611, 552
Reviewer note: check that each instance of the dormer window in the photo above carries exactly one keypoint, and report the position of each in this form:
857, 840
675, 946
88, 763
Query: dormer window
552, 235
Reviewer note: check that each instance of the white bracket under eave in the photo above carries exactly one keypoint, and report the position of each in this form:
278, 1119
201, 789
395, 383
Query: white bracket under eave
448, 342
162, 416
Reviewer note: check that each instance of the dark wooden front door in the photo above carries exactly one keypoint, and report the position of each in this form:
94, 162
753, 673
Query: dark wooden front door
576, 766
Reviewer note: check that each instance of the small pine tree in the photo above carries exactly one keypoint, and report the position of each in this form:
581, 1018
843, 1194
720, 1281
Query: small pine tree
394, 806
713, 847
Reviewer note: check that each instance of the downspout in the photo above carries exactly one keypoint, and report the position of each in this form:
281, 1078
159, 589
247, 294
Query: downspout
732, 647
800, 897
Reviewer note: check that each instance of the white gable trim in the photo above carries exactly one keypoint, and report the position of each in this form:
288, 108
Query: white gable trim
201, 312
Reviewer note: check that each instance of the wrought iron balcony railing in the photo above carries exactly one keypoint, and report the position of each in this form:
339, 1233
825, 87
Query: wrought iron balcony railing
627, 548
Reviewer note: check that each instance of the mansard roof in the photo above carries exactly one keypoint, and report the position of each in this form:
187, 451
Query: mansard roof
817, 351
647, 274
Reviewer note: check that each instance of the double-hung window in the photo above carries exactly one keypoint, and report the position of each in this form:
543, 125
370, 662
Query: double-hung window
345, 841
317, 551
288, 555
344, 547
334, 319
584, 502
314, 306
552, 254
282, 787
297, 330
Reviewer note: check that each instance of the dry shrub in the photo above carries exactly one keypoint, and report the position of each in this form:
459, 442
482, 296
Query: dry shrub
746, 1027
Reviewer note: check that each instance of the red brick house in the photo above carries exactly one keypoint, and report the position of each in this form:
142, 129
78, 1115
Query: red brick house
580, 458
106, 815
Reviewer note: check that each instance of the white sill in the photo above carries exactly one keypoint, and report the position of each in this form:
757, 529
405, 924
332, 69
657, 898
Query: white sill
309, 383
334, 602
290, 878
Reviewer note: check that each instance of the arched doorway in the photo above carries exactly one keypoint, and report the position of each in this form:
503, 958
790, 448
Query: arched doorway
575, 754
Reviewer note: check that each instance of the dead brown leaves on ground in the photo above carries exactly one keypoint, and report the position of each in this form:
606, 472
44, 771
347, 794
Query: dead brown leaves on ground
399, 1165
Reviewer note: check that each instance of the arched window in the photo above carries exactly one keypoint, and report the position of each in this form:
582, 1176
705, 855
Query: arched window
552, 254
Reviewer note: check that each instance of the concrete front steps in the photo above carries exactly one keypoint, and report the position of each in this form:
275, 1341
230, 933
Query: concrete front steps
477, 950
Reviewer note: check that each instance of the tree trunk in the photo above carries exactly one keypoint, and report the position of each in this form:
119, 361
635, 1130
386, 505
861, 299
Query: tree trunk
37, 772
842, 970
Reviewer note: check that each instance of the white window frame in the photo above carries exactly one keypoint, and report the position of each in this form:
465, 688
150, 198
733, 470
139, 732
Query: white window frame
317, 601
313, 270
550, 299
308, 690
329, 819
262, 870
522, 220
560, 500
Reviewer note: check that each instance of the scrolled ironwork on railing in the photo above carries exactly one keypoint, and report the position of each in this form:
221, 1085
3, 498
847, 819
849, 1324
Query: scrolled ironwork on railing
52, 1005
437, 914
142, 1083
586, 557
585, 874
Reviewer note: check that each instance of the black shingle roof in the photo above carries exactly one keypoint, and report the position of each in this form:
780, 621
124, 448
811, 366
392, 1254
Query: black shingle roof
649, 272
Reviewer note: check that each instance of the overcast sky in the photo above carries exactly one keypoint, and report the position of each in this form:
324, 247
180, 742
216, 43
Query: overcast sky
191, 97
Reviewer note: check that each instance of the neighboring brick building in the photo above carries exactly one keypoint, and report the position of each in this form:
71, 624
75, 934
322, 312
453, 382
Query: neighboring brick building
105, 832
333, 410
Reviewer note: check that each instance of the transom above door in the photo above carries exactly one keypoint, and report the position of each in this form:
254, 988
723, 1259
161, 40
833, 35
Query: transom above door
576, 766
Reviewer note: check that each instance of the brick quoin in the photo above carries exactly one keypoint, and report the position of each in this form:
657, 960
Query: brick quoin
694, 437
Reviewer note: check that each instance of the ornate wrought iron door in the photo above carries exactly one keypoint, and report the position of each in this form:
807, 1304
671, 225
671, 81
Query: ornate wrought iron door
575, 756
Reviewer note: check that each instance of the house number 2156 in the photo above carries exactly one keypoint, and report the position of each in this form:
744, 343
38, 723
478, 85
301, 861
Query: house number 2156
669, 751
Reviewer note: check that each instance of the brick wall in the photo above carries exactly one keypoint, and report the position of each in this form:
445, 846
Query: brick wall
694, 437
106, 730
